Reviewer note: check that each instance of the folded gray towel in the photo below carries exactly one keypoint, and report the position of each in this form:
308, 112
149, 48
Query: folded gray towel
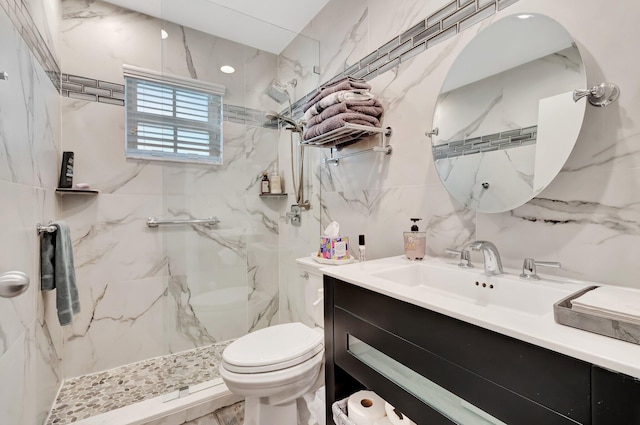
371, 107
349, 84
338, 121
57, 271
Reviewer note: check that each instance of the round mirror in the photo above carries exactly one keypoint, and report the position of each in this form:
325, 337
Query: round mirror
505, 115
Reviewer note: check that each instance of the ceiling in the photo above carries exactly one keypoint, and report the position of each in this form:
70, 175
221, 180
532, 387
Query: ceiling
268, 25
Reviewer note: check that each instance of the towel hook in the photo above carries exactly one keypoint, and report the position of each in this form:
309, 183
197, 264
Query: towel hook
432, 133
600, 95
4, 75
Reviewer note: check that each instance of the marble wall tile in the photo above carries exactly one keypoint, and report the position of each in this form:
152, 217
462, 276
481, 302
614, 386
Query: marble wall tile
106, 229
46, 18
28, 118
29, 146
388, 22
346, 41
247, 152
193, 54
297, 62
17, 392
264, 279
586, 217
47, 359
107, 37
19, 253
448, 224
118, 323
48, 337
260, 68
296, 242
95, 133
194, 261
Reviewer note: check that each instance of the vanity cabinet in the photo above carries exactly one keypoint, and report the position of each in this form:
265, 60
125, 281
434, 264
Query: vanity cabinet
616, 398
440, 370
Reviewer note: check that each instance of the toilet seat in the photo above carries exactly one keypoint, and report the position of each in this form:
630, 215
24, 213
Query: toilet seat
273, 348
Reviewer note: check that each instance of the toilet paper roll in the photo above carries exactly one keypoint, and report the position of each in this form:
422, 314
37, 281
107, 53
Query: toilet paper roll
365, 408
395, 416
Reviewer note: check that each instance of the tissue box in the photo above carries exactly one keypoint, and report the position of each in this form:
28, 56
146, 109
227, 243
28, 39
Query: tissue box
334, 248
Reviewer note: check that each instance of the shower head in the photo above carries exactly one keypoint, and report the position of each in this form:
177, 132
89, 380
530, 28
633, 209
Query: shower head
278, 91
274, 116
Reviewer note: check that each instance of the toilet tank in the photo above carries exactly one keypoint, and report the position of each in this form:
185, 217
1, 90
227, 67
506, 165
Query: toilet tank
311, 279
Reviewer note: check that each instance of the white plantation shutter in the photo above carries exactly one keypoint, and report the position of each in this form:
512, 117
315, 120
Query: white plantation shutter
172, 118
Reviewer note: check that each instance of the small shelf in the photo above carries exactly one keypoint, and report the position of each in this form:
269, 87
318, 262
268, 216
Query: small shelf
273, 195
345, 134
63, 192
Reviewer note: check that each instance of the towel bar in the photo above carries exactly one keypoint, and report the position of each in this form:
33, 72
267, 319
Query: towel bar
155, 222
45, 229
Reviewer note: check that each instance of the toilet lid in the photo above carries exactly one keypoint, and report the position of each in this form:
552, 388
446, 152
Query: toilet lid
273, 348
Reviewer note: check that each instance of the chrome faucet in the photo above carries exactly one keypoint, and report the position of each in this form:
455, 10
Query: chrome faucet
492, 262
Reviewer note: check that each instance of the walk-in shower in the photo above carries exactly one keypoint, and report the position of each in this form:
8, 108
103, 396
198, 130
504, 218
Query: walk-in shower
154, 300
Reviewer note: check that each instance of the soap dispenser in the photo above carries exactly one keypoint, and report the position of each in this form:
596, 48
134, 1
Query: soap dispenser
415, 242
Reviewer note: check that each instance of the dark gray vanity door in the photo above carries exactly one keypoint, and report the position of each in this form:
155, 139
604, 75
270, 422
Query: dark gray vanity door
616, 398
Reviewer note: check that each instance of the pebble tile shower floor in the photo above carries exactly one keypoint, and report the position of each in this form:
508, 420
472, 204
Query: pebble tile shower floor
91, 395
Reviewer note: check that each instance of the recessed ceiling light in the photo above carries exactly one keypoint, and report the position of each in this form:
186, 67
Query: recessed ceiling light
163, 34
227, 69
525, 16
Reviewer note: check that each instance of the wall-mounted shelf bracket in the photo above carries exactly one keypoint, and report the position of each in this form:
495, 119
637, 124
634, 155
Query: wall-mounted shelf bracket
432, 133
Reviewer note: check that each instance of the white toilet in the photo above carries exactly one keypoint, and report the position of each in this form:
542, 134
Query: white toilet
272, 367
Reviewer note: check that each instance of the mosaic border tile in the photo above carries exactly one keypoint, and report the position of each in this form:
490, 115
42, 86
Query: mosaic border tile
90, 395
448, 21
492, 142
92, 90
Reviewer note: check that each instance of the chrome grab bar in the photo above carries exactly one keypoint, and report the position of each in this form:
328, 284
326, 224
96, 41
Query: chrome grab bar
155, 221
13, 284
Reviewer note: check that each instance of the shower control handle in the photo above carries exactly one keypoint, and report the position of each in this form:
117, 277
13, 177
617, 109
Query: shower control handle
294, 216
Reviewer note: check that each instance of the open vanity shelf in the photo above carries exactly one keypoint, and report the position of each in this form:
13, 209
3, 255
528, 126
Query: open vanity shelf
347, 134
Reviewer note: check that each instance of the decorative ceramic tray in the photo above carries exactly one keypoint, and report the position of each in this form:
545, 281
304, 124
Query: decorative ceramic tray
591, 322
332, 262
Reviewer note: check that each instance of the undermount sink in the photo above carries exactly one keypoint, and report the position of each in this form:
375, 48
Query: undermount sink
473, 286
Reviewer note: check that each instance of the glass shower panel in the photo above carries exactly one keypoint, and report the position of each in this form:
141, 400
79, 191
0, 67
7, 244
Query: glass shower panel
223, 281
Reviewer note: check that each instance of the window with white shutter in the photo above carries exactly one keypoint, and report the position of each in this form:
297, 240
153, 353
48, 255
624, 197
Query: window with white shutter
172, 118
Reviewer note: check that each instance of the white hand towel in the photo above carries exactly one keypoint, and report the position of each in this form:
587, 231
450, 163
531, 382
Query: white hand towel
614, 302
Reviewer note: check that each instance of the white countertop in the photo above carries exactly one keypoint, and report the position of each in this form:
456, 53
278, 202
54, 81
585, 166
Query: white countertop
542, 330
